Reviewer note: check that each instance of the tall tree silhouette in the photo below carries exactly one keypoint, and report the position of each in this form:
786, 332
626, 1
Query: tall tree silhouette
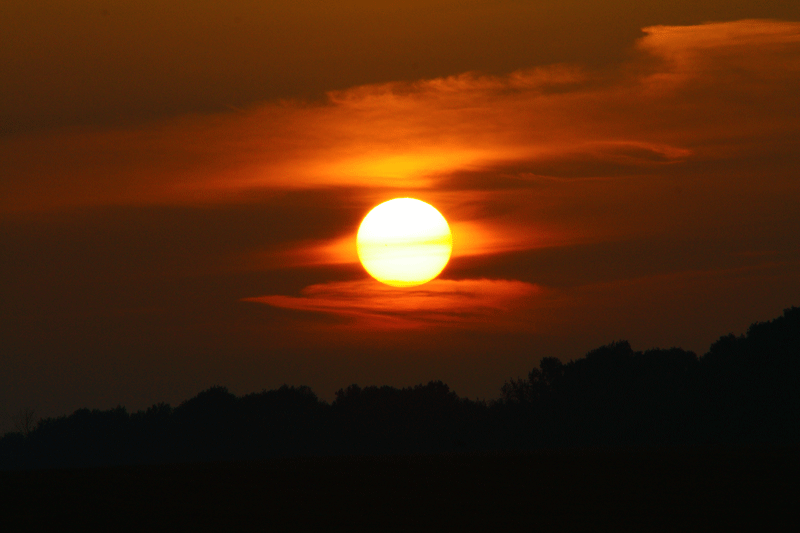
753, 382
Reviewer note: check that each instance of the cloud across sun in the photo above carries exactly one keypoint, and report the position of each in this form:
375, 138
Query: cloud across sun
439, 303
546, 157
541, 158
181, 187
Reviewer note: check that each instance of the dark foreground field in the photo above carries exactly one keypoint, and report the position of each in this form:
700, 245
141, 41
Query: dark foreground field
642, 490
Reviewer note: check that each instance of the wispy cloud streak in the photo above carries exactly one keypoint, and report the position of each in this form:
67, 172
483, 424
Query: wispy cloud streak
439, 303
546, 156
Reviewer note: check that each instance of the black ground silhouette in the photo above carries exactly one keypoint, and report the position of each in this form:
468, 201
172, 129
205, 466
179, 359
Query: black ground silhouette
653, 440
556, 490
744, 391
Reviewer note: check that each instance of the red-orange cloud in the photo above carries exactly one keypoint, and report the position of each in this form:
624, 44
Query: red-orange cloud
544, 156
439, 303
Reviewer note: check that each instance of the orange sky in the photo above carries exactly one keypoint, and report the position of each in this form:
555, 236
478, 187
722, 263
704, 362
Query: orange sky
182, 187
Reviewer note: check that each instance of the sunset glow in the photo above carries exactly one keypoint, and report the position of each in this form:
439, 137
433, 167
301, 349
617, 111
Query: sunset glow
226, 193
404, 242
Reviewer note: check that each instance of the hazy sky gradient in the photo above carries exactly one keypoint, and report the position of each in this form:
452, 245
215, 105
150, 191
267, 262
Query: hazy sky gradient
182, 184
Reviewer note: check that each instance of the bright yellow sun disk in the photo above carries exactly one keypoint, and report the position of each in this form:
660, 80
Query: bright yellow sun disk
404, 242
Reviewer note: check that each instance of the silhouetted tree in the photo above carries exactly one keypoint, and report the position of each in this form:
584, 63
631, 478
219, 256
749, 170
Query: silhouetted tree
25, 421
753, 383
423, 418
745, 390
286, 421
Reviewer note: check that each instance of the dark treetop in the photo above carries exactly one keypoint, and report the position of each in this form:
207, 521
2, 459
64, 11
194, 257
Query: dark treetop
744, 391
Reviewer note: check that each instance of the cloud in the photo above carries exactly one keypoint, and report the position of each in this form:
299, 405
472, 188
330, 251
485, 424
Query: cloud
688, 50
406, 133
546, 156
439, 303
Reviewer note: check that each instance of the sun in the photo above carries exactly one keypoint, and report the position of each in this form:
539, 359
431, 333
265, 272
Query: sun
404, 242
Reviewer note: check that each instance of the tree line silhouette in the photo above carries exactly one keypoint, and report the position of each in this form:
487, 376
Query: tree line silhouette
744, 391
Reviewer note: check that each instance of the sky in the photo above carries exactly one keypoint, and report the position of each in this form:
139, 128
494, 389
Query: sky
182, 183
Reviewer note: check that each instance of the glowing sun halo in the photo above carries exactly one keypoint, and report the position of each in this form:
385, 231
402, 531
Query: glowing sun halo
404, 242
